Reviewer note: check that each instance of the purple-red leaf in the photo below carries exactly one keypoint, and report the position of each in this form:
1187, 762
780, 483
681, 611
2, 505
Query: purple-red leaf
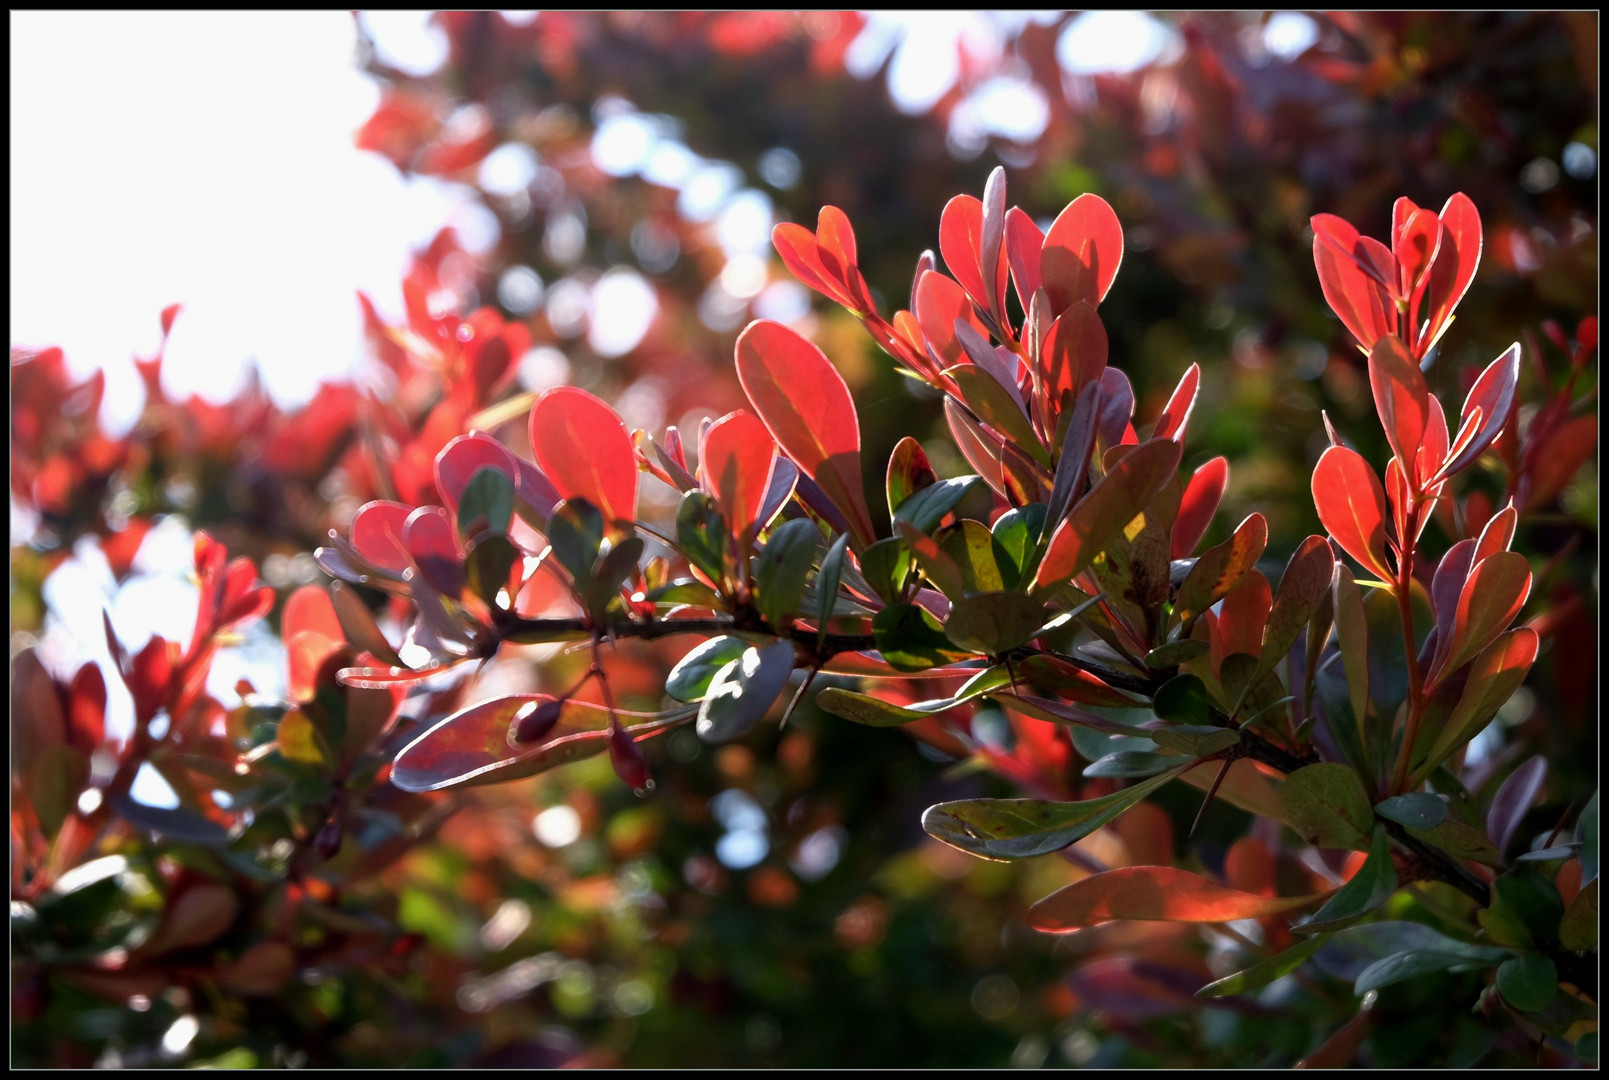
1493, 594
377, 534
428, 534
1512, 801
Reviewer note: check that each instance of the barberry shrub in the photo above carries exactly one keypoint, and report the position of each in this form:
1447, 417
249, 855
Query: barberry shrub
1062, 585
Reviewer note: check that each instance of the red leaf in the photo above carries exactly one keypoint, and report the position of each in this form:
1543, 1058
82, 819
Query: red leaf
1402, 398
86, 709
1151, 893
939, 303
1198, 505
1457, 258
428, 534
584, 449
1414, 245
305, 655
461, 458
1081, 253
961, 241
1023, 244
1352, 506
1497, 533
1073, 354
801, 254
807, 408
735, 463
1555, 462
1244, 614
1103, 514
377, 534
1353, 293
1492, 596
309, 608
982, 450
1177, 414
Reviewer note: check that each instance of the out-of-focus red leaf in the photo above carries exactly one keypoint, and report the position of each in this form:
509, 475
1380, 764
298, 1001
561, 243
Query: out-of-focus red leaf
807, 408
377, 534
1557, 458
1081, 253
736, 460
428, 534
86, 709
1107, 510
1151, 893
584, 449
1352, 506
306, 652
309, 608
1198, 505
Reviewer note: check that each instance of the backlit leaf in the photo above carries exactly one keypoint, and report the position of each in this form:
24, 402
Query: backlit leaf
584, 449
1152, 893
1081, 253
1107, 510
1352, 505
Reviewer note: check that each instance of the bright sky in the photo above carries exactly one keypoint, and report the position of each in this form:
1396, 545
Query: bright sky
205, 158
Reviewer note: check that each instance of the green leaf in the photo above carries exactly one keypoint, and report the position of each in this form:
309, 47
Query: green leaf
885, 565
486, 504
1182, 700
1197, 740
1578, 930
784, 564
1327, 805
970, 545
874, 711
1526, 910
911, 639
1402, 966
56, 777
1015, 534
994, 623
690, 679
1456, 838
701, 533
1417, 810
1174, 653
1370, 887
1022, 828
575, 532
489, 563
1261, 974
742, 691
827, 579
926, 508
1528, 982
1126, 763
909, 471
685, 591
300, 741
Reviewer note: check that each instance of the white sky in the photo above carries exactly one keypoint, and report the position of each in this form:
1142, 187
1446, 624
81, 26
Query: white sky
204, 158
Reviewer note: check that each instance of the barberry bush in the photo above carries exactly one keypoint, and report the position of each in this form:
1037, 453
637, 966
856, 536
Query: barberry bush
1357, 839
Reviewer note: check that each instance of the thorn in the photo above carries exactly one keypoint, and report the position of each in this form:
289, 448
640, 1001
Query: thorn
1228, 761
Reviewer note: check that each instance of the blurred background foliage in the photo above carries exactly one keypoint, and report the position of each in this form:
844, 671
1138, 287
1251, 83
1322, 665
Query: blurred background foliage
775, 902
